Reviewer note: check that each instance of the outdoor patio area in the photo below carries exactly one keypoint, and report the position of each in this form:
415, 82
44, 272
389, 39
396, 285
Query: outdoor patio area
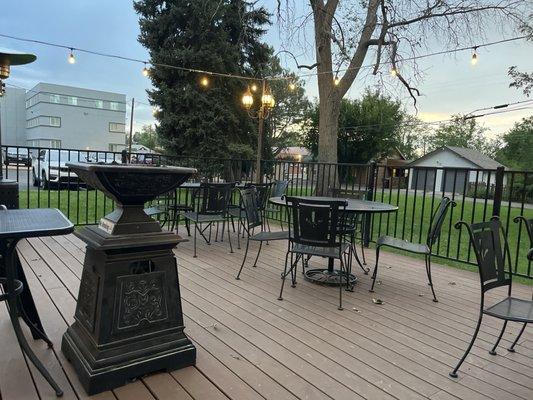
252, 346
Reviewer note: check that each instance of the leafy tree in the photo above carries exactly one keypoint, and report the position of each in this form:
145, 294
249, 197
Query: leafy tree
350, 33
517, 149
213, 35
462, 132
412, 134
147, 137
368, 128
523, 80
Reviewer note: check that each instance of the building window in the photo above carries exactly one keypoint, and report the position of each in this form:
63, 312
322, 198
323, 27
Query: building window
117, 127
113, 105
99, 104
73, 101
32, 101
32, 123
54, 121
55, 98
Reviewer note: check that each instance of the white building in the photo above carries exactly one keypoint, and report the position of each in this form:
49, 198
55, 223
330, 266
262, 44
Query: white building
60, 116
451, 169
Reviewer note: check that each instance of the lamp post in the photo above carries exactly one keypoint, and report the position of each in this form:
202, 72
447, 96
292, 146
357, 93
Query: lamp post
8, 188
267, 103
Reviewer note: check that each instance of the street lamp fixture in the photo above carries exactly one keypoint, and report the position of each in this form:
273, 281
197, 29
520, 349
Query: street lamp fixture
267, 103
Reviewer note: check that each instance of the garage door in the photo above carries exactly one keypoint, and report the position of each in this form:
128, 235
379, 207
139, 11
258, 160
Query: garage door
423, 177
451, 176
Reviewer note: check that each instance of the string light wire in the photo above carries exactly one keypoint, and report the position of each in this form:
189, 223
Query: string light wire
227, 75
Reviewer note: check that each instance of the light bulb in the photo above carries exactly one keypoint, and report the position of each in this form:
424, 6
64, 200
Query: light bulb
247, 99
146, 72
336, 81
393, 72
71, 58
204, 81
253, 88
292, 86
473, 60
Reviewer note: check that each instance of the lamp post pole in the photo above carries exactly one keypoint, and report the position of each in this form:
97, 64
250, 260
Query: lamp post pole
261, 118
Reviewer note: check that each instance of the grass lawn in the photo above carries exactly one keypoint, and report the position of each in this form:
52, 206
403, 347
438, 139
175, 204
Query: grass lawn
411, 222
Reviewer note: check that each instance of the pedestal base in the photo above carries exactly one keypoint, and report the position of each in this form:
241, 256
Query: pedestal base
128, 319
95, 380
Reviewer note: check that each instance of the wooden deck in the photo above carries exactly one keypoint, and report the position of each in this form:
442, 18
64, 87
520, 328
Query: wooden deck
252, 346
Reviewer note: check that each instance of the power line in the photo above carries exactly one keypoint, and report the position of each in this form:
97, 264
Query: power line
236, 76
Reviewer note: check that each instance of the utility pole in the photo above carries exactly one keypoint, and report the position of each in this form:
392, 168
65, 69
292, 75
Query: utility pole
131, 128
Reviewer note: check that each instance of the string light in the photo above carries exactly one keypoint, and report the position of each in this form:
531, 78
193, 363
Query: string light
145, 70
292, 86
393, 72
204, 81
336, 80
71, 58
474, 60
253, 87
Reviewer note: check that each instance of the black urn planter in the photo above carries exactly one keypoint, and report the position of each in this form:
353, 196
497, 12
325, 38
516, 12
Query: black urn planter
128, 319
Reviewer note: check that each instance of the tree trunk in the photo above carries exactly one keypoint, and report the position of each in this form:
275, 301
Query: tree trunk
329, 110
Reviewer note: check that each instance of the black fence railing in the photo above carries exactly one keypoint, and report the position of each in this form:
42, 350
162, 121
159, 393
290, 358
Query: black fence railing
45, 181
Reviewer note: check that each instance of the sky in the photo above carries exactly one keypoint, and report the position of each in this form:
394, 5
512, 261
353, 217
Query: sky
449, 84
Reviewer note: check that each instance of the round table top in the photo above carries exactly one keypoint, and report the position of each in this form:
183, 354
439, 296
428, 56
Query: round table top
354, 205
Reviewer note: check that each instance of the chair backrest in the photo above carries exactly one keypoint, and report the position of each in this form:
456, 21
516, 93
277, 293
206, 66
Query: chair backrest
529, 227
263, 193
250, 203
348, 218
212, 198
437, 219
490, 246
314, 222
279, 188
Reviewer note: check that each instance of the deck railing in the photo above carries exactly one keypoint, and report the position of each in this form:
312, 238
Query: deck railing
479, 193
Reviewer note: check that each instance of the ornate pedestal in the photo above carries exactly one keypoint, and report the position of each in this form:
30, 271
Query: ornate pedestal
128, 319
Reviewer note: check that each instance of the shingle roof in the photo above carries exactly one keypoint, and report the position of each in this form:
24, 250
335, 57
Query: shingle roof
474, 156
480, 159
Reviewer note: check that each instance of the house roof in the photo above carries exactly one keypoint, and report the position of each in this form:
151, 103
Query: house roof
474, 156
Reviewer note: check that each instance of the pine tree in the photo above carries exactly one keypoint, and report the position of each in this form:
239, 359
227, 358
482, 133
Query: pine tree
213, 35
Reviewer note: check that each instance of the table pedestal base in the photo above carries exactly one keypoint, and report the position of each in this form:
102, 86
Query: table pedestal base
328, 277
128, 319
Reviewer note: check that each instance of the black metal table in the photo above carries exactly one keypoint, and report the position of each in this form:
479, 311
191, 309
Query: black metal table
14, 226
330, 275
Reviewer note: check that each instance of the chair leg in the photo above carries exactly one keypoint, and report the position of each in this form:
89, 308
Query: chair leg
363, 252
244, 259
194, 239
428, 270
453, 374
257, 256
188, 227
511, 349
493, 351
229, 237
238, 232
341, 275
283, 276
374, 274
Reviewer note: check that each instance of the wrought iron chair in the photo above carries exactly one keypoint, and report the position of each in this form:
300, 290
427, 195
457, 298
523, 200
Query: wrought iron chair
433, 234
252, 203
313, 231
210, 204
167, 209
351, 224
238, 212
529, 256
278, 189
486, 239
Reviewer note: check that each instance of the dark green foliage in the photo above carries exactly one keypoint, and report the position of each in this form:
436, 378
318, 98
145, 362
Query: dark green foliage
368, 128
517, 149
213, 35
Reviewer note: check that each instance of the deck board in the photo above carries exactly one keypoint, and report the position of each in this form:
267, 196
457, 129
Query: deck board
252, 346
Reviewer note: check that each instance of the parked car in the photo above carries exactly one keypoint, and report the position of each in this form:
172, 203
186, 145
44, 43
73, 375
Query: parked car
50, 167
17, 155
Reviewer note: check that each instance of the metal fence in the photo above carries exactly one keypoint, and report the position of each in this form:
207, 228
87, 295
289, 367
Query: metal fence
44, 181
